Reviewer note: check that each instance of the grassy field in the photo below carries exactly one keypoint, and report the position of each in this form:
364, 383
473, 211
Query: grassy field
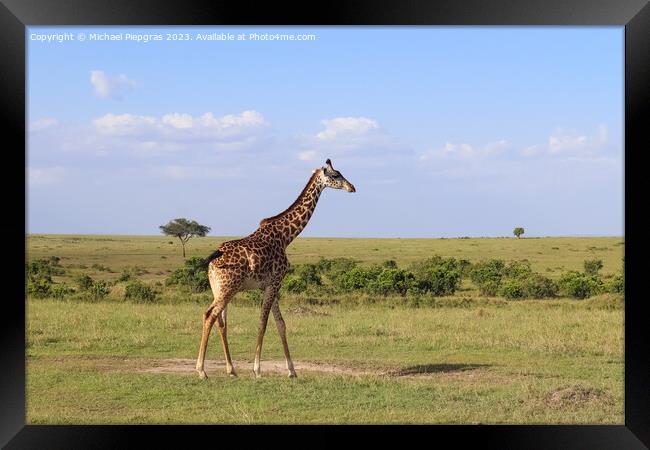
489, 361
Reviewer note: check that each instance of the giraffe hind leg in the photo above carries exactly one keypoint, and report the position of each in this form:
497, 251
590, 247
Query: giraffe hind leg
282, 331
223, 293
270, 295
208, 320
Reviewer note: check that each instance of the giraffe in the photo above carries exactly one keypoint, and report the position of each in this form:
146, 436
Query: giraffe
259, 261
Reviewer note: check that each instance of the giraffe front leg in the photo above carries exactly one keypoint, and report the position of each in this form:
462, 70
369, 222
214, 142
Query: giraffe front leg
270, 294
282, 331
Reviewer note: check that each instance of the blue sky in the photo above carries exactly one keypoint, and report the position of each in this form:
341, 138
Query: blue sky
444, 131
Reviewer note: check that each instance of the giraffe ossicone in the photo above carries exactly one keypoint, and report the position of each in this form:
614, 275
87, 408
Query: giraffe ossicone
259, 261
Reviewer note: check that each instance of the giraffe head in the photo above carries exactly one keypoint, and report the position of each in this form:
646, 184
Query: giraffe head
333, 178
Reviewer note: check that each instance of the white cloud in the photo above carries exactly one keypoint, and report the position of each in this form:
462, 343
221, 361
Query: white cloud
124, 124
246, 119
43, 123
465, 151
45, 176
177, 120
181, 126
347, 127
564, 141
349, 137
110, 87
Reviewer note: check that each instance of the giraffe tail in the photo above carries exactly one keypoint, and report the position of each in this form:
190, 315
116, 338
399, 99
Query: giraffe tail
214, 255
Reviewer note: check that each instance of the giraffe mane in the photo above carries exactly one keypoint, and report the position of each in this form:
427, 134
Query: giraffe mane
294, 204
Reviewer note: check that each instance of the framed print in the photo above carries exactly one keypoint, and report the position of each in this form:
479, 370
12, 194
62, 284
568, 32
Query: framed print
367, 216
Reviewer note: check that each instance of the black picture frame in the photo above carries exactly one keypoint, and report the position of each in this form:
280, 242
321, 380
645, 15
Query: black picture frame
15, 15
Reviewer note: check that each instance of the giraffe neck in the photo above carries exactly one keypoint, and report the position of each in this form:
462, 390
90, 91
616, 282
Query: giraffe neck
289, 223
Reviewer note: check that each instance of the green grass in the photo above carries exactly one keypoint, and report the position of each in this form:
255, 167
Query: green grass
487, 365
483, 361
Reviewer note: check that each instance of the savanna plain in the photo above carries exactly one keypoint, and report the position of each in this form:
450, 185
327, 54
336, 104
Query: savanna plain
111, 340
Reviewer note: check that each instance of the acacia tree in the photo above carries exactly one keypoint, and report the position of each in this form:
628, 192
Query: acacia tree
184, 230
518, 232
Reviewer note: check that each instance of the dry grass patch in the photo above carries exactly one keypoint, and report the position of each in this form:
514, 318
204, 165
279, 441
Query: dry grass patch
577, 396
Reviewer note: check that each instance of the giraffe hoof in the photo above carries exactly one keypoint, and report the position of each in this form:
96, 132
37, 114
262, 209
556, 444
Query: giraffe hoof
232, 374
202, 375
293, 375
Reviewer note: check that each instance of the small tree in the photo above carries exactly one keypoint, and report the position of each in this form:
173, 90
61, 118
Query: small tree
518, 232
592, 266
184, 230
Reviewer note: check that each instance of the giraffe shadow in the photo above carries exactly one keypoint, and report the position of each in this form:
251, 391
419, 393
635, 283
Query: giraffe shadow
421, 369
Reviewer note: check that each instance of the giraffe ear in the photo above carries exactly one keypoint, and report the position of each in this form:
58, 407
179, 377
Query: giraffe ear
328, 164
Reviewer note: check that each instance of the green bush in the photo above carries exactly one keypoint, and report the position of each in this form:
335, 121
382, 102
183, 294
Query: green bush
309, 273
580, 285
97, 290
333, 268
616, 285
38, 276
294, 284
438, 275
518, 269
539, 286
84, 281
61, 291
592, 266
301, 277
44, 267
139, 292
533, 286
437, 280
389, 281
512, 289
90, 289
358, 278
193, 275
439, 261
39, 287
514, 280
487, 276
464, 265
124, 276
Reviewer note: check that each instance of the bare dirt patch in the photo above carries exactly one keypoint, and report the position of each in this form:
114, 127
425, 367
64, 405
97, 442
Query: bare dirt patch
576, 396
187, 366
447, 371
